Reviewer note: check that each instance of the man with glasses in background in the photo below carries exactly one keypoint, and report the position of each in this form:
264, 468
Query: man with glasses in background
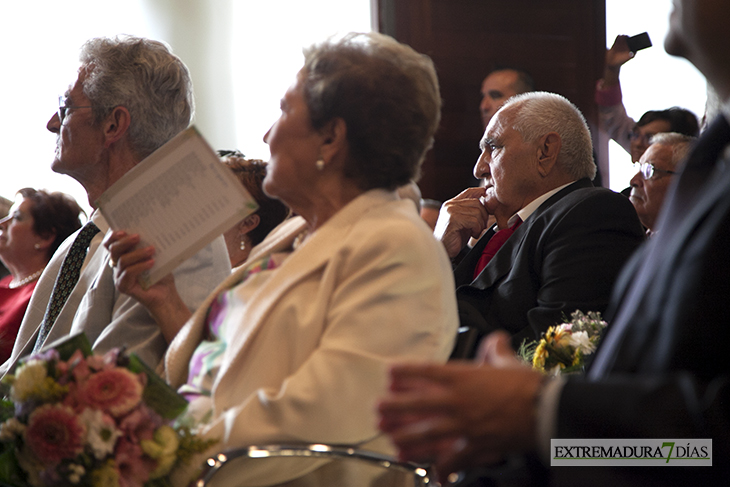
656, 167
653, 375
132, 95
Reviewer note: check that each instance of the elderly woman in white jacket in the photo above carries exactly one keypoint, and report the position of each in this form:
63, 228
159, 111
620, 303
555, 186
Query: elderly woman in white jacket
296, 344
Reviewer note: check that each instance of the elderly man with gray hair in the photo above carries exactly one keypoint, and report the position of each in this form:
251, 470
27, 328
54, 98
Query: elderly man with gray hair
558, 243
657, 166
130, 97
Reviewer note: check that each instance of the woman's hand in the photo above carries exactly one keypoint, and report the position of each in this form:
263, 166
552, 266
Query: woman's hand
161, 299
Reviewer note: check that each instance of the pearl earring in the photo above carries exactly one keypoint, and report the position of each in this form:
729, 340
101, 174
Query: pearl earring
37, 246
243, 243
320, 164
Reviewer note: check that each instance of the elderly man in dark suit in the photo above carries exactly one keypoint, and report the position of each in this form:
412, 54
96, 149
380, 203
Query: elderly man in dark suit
558, 243
660, 371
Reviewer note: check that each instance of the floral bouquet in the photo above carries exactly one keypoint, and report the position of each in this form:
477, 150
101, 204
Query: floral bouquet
563, 348
73, 418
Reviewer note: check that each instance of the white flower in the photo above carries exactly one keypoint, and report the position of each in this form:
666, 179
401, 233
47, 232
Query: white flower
76, 473
29, 379
102, 432
581, 341
11, 429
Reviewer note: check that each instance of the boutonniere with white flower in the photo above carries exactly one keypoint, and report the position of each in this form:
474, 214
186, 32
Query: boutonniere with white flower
563, 348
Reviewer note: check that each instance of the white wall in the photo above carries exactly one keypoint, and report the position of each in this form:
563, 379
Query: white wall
243, 54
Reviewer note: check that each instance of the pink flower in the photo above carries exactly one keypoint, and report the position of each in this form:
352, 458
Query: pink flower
115, 391
54, 433
98, 362
72, 398
140, 424
134, 466
79, 367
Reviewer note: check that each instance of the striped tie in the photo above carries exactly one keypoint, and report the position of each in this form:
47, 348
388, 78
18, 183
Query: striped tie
67, 278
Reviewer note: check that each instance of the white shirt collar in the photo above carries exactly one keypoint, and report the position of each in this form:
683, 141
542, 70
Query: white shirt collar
533, 205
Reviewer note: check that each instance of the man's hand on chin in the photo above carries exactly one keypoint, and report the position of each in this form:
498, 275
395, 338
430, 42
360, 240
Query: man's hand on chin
461, 218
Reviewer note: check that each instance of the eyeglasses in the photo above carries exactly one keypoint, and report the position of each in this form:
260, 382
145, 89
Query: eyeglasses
63, 108
636, 136
649, 170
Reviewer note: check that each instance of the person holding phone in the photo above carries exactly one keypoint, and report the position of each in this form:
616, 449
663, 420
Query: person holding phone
631, 135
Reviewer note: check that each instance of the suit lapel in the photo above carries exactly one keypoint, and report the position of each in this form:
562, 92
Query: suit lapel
501, 263
464, 272
189, 337
309, 258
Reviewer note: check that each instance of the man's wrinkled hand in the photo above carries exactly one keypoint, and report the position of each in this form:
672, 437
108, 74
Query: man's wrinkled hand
461, 218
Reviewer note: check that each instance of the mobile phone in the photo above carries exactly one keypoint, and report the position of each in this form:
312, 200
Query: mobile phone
638, 42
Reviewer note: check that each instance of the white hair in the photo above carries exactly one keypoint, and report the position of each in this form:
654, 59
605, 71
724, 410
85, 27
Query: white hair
538, 113
144, 76
678, 143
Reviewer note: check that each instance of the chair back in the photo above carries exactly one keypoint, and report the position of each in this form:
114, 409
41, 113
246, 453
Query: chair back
415, 475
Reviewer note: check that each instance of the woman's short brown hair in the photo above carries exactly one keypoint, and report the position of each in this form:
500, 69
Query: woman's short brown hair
53, 213
388, 96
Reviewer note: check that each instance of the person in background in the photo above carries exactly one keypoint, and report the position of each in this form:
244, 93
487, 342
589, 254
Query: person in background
659, 371
430, 211
131, 96
296, 344
36, 225
634, 136
558, 243
252, 230
5, 205
657, 168
500, 85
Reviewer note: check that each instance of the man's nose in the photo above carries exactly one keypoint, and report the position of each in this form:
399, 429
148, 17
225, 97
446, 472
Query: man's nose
481, 168
486, 104
637, 180
54, 124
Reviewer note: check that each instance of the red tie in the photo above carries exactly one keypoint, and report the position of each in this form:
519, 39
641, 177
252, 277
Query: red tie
494, 244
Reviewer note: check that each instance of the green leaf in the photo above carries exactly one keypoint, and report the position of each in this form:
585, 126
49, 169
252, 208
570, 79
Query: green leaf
10, 472
158, 395
68, 345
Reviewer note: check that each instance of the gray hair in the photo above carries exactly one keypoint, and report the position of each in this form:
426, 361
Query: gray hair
538, 113
388, 96
678, 143
147, 79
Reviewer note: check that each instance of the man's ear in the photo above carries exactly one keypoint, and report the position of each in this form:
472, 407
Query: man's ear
547, 153
334, 139
116, 125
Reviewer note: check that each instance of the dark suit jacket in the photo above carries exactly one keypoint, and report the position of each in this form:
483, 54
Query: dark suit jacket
566, 256
662, 369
